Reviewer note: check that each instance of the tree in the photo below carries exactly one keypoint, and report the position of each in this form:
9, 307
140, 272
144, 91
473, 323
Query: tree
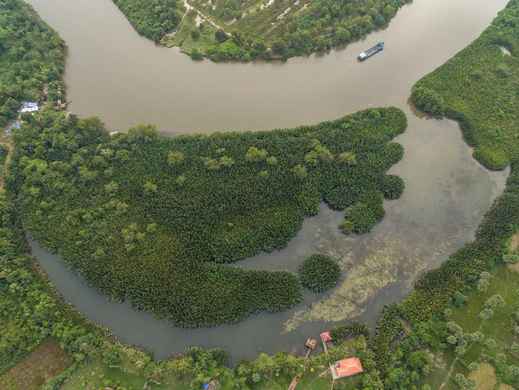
392, 187
196, 55
300, 171
486, 314
226, 161
272, 161
379, 20
150, 187
319, 273
256, 155
279, 47
180, 180
464, 383
389, 11
459, 299
495, 301
220, 36
348, 158
175, 157
111, 187
195, 34
429, 101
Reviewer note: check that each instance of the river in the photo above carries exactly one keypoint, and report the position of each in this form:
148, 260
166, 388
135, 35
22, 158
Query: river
125, 79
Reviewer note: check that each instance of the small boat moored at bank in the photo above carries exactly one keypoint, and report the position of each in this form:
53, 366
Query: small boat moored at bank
371, 51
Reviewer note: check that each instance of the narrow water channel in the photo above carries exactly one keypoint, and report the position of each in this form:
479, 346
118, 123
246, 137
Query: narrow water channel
113, 73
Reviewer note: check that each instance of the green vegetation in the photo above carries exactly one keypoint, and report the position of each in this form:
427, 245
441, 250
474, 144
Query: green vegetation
457, 326
151, 18
118, 367
29, 314
393, 187
345, 332
153, 219
319, 273
363, 215
478, 88
27, 74
44, 344
479, 338
232, 30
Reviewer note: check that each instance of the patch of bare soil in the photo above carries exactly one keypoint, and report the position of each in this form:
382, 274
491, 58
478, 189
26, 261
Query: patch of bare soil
44, 363
514, 242
514, 267
485, 377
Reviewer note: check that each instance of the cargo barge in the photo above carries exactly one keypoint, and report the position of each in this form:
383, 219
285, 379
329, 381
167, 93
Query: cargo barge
371, 51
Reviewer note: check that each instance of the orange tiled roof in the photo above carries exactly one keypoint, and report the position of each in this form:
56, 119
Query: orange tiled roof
348, 367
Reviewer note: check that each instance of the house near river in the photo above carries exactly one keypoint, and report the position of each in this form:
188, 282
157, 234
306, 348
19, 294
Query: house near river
29, 107
26, 108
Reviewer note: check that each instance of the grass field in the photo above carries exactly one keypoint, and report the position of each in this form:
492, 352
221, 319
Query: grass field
491, 360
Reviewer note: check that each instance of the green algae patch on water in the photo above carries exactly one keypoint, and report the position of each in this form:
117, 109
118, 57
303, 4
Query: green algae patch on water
363, 281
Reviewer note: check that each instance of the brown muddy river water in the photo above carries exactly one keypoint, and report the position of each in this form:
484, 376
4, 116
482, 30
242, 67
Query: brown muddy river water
126, 80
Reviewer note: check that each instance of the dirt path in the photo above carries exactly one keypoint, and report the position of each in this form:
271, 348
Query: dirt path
453, 364
449, 374
7, 143
202, 16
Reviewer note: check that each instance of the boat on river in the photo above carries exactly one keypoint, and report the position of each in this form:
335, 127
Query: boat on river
371, 51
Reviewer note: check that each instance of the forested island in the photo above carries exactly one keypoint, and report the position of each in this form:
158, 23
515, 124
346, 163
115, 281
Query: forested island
231, 30
153, 219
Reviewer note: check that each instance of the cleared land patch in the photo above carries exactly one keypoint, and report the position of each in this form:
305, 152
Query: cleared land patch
42, 364
484, 377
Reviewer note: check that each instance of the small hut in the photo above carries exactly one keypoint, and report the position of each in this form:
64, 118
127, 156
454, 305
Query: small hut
326, 339
29, 107
311, 343
346, 368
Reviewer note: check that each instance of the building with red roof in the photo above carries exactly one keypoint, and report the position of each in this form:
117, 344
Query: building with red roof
346, 368
326, 337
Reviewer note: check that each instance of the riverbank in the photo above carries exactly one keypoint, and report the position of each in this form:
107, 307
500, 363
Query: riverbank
265, 30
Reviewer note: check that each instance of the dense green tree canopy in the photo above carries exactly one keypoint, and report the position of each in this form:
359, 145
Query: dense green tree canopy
32, 59
152, 219
319, 273
151, 18
479, 87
